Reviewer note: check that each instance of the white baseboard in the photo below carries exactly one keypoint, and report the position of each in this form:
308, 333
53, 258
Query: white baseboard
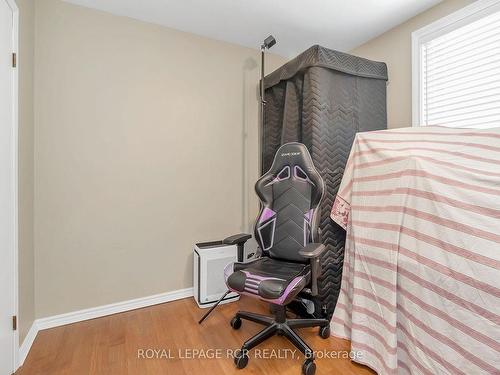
96, 312
25, 347
113, 308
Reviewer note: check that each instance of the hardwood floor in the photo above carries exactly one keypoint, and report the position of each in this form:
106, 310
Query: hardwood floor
112, 345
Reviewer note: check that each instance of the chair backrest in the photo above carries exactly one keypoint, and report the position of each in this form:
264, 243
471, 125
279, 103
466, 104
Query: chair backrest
290, 193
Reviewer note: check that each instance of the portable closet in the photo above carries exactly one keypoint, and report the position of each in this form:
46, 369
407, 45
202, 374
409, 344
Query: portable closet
322, 98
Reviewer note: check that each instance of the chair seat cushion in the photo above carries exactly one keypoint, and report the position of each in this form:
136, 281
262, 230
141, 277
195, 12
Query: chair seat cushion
269, 279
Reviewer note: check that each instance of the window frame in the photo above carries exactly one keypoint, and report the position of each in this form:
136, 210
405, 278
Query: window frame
455, 20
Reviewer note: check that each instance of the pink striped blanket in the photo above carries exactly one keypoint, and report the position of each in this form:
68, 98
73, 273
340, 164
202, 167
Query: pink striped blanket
421, 278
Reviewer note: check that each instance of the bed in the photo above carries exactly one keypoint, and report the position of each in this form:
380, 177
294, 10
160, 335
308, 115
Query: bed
420, 289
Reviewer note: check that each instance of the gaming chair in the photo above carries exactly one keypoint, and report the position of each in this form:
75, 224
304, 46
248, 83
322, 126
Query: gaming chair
286, 231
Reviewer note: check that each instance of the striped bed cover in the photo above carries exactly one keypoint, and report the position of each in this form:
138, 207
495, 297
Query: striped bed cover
421, 278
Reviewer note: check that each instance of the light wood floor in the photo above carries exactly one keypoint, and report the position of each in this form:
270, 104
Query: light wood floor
110, 345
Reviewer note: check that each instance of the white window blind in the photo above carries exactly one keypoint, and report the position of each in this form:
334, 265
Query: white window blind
461, 76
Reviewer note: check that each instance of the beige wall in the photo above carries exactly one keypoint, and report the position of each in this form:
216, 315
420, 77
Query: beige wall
139, 150
26, 129
138, 153
394, 48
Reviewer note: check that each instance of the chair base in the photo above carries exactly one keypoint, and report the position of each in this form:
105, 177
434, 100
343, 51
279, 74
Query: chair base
281, 326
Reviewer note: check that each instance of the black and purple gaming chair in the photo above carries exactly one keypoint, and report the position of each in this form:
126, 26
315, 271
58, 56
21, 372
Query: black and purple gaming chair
286, 231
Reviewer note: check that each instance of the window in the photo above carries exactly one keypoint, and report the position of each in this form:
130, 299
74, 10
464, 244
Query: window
456, 69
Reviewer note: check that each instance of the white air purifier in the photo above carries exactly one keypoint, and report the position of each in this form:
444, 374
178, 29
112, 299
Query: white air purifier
210, 258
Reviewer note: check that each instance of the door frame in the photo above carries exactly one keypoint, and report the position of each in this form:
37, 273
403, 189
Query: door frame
15, 170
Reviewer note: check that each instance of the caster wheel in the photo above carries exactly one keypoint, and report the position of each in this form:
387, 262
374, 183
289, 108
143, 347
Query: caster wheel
241, 360
236, 323
309, 367
324, 332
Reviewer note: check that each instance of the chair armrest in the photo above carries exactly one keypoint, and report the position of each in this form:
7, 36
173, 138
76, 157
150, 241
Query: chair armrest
237, 239
313, 252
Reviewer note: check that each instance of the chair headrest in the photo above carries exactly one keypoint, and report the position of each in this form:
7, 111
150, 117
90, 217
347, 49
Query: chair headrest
291, 159
294, 154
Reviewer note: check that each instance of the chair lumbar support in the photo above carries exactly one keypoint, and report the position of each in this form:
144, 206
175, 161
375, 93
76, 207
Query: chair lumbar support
281, 326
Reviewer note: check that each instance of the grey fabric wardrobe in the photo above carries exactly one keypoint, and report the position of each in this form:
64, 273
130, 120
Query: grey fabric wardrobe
322, 98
